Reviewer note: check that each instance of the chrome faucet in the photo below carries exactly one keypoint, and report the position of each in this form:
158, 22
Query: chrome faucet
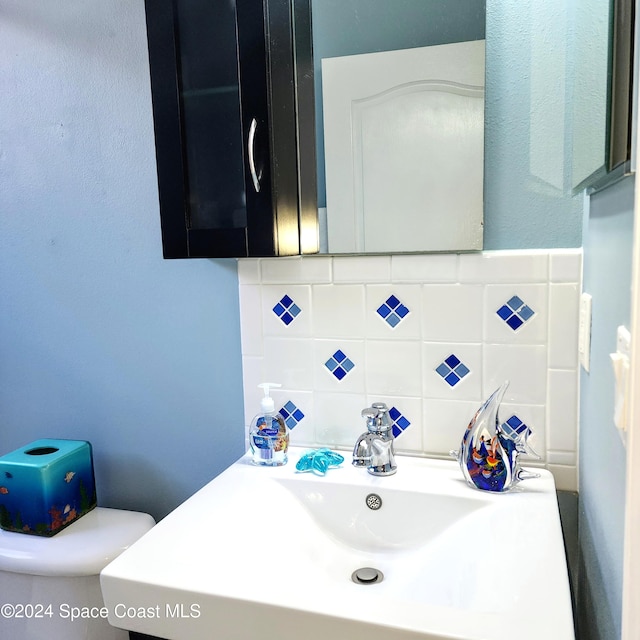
374, 448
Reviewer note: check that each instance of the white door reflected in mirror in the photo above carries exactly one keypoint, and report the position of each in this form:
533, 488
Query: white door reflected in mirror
404, 149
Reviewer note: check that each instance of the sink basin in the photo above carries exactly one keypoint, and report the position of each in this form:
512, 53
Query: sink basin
268, 553
410, 520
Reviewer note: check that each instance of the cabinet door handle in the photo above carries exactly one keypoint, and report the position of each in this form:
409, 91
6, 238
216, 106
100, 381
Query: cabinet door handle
251, 149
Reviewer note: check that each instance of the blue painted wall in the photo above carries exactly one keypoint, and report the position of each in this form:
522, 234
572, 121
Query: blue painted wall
100, 338
608, 244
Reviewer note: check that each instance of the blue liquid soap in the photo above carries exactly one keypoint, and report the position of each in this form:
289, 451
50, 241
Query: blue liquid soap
268, 433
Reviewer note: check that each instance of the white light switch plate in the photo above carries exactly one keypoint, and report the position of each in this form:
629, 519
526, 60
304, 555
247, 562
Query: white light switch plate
584, 331
623, 342
620, 361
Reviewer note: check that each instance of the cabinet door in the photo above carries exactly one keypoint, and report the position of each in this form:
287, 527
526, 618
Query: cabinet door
227, 157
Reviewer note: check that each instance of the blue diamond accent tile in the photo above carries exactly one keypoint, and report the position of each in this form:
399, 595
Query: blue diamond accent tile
515, 303
399, 422
443, 369
347, 365
514, 322
286, 310
291, 414
383, 310
452, 370
392, 311
393, 320
461, 370
515, 312
452, 379
504, 312
331, 364
525, 313
514, 427
514, 421
402, 311
339, 373
339, 364
452, 361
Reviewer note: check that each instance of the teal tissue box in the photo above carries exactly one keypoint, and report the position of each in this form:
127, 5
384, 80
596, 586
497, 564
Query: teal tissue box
46, 485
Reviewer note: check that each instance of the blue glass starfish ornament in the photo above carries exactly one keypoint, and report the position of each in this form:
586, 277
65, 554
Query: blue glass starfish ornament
319, 461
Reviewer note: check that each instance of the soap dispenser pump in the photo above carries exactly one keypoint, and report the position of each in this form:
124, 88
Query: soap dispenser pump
268, 433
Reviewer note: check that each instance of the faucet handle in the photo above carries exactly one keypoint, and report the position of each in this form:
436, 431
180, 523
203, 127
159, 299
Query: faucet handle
377, 416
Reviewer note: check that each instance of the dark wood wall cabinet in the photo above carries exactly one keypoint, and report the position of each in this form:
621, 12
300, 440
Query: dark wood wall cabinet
233, 109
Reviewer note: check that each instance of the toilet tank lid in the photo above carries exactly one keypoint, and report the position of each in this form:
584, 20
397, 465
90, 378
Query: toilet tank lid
84, 548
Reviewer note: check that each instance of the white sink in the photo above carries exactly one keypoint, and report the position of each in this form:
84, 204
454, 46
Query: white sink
268, 553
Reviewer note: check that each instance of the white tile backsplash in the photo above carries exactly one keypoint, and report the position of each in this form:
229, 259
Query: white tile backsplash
566, 476
525, 366
410, 439
562, 457
297, 269
338, 310
252, 376
564, 305
272, 318
442, 420
534, 416
303, 433
565, 265
324, 378
286, 361
434, 385
362, 269
441, 305
562, 410
249, 271
452, 312
431, 268
380, 298
393, 367
337, 418
534, 299
494, 267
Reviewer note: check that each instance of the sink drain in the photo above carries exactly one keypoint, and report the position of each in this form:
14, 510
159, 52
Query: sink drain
367, 575
373, 501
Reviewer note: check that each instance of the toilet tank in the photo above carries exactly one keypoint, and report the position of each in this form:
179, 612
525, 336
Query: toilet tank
50, 587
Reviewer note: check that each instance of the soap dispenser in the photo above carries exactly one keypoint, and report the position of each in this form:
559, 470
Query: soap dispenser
268, 433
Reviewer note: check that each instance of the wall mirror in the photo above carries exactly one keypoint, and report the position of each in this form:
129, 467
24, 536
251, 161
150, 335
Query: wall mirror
399, 91
548, 95
602, 93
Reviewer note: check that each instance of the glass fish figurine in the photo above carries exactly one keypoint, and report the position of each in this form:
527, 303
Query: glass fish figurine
489, 452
